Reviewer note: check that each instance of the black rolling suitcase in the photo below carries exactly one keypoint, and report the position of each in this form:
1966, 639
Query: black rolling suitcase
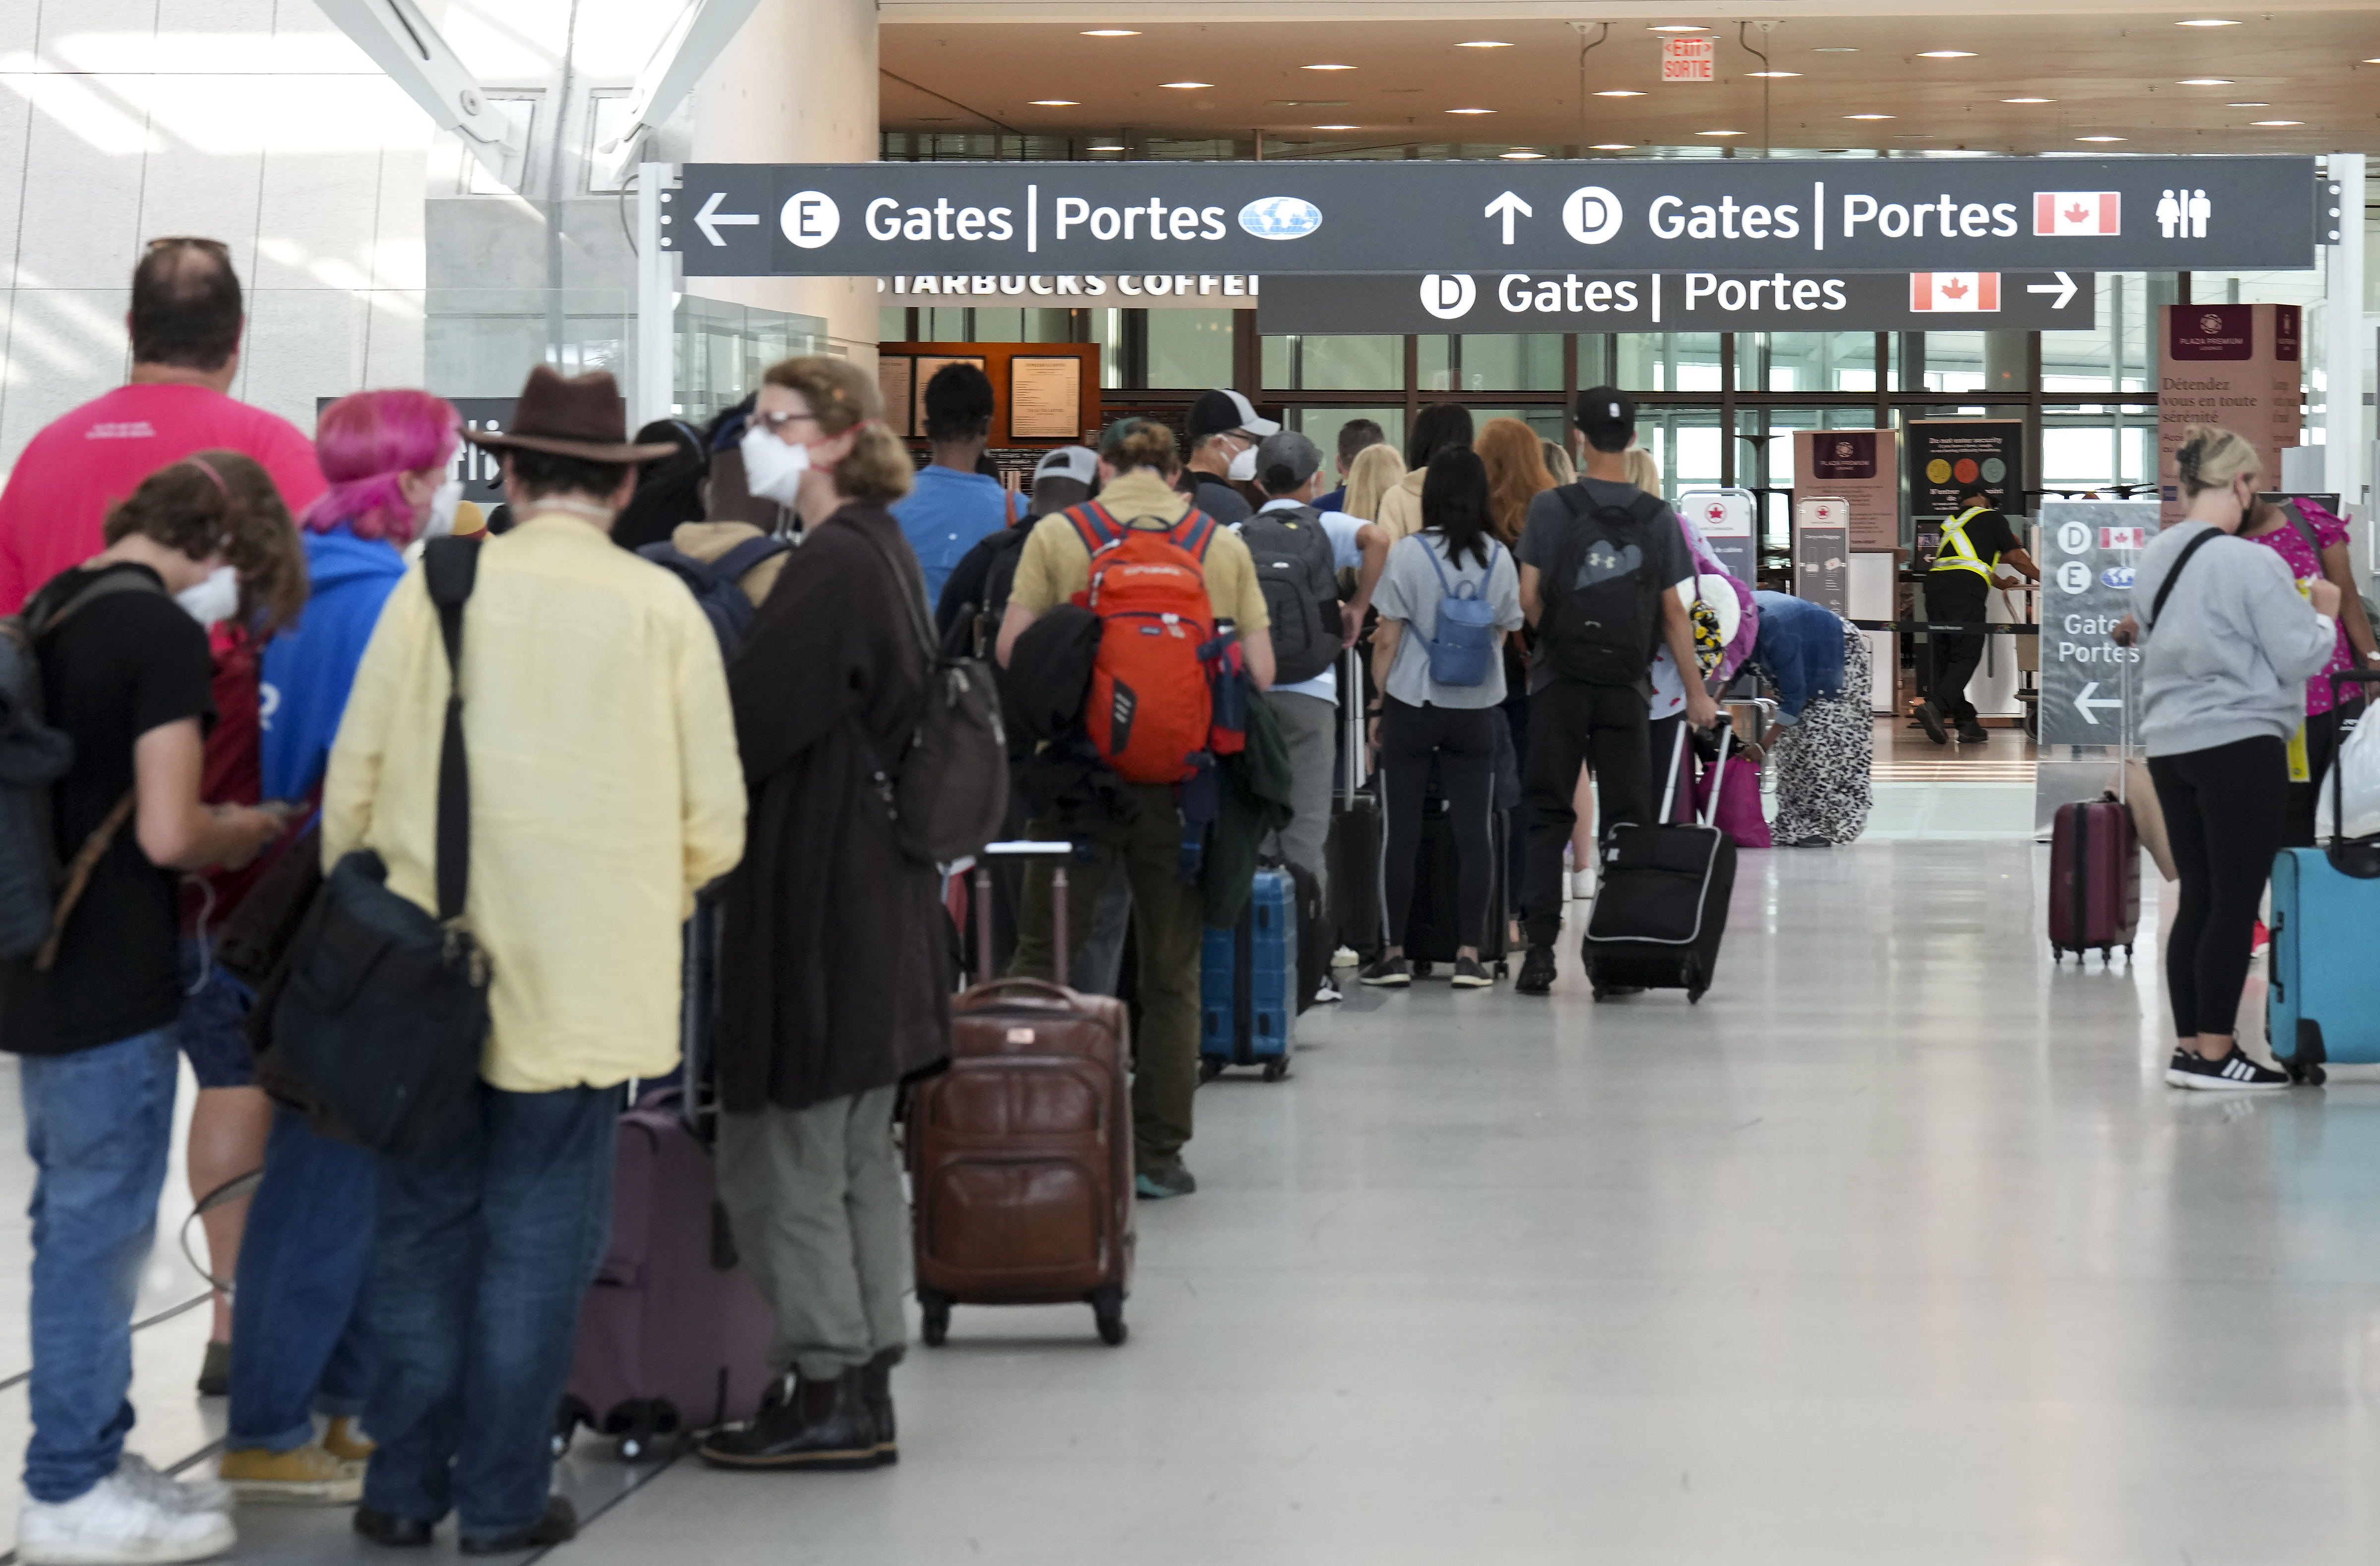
1353, 852
1660, 906
1430, 932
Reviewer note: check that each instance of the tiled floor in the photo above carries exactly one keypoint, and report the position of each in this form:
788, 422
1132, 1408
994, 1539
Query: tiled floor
1895, 1249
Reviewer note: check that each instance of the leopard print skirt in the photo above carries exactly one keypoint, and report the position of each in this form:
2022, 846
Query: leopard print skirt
1823, 763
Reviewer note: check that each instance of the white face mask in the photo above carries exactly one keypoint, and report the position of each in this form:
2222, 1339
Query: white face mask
1243, 467
772, 470
442, 509
215, 599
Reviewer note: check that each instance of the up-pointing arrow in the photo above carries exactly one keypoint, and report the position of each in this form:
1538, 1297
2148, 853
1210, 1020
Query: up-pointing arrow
1508, 206
711, 218
2084, 701
2063, 289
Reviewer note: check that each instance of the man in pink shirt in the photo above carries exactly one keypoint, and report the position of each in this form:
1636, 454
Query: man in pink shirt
186, 323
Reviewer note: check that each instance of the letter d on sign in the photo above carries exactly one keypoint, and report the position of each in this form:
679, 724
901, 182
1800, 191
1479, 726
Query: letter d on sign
1591, 214
1448, 296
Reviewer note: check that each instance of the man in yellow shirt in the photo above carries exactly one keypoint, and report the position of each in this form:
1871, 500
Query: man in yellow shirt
1137, 463
605, 790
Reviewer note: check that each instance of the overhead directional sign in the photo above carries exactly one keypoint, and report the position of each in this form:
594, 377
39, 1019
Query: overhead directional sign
1676, 301
1955, 217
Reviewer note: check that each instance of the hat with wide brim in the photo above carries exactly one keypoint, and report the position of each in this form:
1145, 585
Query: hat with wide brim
580, 416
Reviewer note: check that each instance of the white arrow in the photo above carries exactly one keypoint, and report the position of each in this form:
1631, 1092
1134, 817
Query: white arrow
2085, 702
1509, 205
711, 218
2064, 289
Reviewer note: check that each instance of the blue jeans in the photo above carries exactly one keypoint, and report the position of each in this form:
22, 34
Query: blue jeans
298, 1314
99, 1124
483, 1252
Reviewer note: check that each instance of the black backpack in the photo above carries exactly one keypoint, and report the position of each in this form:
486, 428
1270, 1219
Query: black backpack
717, 584
1297, 571
1602, 616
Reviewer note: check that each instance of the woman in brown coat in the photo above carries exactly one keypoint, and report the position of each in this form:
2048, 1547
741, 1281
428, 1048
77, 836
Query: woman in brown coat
834, 971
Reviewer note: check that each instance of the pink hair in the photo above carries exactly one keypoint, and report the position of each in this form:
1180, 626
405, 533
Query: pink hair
364, 440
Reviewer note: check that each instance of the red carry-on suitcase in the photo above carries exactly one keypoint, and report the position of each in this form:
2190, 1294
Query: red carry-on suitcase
1020, 1154
2095, 878
673, 1337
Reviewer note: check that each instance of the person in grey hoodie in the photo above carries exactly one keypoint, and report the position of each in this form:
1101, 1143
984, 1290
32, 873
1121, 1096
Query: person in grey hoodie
2225, 659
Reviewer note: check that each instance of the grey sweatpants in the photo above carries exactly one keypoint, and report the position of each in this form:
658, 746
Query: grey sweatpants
1309, 728
813, 1198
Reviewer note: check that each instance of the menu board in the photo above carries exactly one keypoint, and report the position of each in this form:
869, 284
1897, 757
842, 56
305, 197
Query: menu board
896, 379
1045, 398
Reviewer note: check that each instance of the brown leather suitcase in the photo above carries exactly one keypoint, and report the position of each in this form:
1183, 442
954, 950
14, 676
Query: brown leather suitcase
1020, 1154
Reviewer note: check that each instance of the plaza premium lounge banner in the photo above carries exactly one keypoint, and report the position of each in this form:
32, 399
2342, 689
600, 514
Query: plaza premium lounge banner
2240, 367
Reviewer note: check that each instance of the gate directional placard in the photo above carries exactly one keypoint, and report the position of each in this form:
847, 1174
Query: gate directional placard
2088, 550
1955, 218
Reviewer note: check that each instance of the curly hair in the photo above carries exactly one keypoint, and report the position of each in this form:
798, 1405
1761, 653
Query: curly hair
223, 503
840, 396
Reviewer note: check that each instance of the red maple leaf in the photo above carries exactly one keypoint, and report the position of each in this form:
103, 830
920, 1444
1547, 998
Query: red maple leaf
2077, 213
1954, 289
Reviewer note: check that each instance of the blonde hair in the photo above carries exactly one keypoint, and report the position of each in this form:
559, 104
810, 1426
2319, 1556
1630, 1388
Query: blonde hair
1514, 457
1558, 463
1643, 471
2211, 458
840, 396
1376, 471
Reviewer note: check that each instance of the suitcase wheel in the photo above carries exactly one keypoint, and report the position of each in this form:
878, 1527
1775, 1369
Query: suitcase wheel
1276, 1068
571, 1414
935, 1306
1107, 1305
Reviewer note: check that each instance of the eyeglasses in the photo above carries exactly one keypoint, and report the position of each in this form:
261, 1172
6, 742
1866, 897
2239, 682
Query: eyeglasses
775, 422
171, 241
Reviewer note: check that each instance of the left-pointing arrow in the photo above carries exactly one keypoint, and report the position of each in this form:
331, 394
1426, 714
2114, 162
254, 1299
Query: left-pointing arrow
711, 218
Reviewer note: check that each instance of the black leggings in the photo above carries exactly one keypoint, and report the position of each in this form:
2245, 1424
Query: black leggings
2224, 810
1462, 740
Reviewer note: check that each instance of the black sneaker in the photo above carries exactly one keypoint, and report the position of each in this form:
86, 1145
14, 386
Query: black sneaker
1469, 975
1973, 733
1155, 1183
1387, 970
1931, 721
2235, 1073
1536, 972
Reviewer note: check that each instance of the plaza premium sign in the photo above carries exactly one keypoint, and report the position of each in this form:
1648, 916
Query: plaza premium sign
1962, 218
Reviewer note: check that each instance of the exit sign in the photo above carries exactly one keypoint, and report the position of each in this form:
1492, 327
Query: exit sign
1687, 60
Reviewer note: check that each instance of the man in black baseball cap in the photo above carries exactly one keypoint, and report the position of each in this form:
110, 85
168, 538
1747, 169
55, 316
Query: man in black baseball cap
1223, 430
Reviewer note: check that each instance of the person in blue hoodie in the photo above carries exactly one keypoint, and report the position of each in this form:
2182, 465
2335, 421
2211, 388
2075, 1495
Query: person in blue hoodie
297, 1313
1822, 739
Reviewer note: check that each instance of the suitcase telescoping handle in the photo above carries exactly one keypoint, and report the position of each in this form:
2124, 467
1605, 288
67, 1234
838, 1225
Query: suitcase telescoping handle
1353, 775
1677, 761
1057, 854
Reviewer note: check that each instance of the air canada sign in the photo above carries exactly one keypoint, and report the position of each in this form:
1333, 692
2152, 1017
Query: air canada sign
1968, 216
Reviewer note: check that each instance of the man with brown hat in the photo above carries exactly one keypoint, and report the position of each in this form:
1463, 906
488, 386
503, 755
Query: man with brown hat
605, 790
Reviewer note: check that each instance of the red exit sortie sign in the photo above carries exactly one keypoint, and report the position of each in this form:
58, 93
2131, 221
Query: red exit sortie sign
1687, 60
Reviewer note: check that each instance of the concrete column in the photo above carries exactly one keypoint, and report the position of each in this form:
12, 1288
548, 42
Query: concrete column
798, 85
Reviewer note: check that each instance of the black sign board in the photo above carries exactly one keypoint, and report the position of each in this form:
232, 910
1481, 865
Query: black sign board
1680, 301
1945, 454
1746, 217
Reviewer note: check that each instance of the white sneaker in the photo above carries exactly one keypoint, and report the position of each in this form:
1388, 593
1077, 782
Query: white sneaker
118, 1522
200, 1492
1327, 995
1346, 957
1582, 885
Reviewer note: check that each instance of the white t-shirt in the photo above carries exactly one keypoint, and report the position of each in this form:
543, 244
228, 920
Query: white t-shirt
1341, 529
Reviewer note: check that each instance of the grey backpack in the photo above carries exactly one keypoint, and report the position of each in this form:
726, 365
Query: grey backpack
36, 892
1297, 571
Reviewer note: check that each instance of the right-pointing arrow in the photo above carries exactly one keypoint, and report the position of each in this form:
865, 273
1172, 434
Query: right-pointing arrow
711, 218
2064, 289
2084, 701
1509, 205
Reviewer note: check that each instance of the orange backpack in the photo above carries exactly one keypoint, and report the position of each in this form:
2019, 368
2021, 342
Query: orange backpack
1150, 708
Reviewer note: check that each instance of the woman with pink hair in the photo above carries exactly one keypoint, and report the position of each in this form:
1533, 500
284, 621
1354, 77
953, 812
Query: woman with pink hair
297, 1314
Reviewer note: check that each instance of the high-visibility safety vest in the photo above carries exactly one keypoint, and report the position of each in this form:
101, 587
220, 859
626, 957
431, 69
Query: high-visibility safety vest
1957, 553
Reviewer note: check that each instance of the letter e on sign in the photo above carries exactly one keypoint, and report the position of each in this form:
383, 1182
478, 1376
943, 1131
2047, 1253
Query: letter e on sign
809, 219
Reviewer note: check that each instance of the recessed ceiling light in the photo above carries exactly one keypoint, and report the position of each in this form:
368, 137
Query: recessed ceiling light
2209, 21
2028, 100
1718, 133
1111, 32
1946, 53
2246, 105
1334, 128
1055, 103
1614, 147
1836, 49
2208, 82
1326, 67
1772, 73
1619, 93
1867, 116
1106, 147
1678, 28
1185, 85
2277, 122
1520, 153
1470, 111
2098, 138
2371, 62
1485, 43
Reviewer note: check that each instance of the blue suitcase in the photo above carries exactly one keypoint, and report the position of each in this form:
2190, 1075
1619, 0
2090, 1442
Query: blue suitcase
1247, 984
2318, 1002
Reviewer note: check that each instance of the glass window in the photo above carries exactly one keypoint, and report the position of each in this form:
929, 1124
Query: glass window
1805, 361
1503, 361
1666, 361
1954, 362
1106, 330
1334, 363
2098, 446
1321, 425
1190, 348
1545, 419
1685, 443
892, 324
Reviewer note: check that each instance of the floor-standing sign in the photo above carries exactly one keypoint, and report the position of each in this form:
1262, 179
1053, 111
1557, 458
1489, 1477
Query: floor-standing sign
2089, 686
2237, 365
1822, 551
1947, 455
1726, 520
1857, 467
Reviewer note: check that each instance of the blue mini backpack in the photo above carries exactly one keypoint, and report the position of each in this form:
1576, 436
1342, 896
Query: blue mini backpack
1464, 648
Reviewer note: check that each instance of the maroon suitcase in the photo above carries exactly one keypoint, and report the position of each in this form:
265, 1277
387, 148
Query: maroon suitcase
2095, 879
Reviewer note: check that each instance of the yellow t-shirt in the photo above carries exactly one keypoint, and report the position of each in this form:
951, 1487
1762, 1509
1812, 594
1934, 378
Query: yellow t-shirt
1055, 566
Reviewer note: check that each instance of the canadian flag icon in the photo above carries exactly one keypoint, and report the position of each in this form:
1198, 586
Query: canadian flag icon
1954, 290
2077, 212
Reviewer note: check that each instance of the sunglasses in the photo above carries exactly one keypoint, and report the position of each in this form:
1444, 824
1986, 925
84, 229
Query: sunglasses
174, 241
